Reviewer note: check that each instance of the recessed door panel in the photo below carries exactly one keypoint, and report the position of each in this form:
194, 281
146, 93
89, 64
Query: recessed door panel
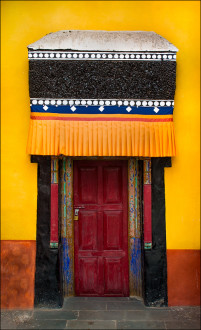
112, 184
88, 185
113, 230
113, 276
88, 231
88, 281
101, 231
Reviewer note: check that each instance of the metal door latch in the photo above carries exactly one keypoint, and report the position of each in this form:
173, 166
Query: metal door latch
76, 212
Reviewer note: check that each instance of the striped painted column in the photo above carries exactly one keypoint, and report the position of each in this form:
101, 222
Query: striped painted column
134, 228
54, 204
67, 229
147, 204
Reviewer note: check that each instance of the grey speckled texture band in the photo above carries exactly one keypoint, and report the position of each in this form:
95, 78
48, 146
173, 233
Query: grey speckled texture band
102, 79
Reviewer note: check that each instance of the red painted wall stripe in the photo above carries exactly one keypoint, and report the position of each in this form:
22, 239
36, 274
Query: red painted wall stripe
54, 214
102, 119
183, 270
147, 214
17, 274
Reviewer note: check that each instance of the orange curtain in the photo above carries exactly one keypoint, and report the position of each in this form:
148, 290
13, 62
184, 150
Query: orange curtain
101, 138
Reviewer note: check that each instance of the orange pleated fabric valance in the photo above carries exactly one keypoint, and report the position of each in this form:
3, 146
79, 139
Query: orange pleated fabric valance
75, 134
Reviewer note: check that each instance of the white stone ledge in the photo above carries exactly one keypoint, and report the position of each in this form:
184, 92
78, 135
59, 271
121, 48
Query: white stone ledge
130, 41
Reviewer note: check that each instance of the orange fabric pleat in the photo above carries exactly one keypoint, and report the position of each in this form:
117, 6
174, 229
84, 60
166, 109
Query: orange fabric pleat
101, 138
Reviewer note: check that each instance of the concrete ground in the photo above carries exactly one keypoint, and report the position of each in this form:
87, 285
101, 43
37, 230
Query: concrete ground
102, 313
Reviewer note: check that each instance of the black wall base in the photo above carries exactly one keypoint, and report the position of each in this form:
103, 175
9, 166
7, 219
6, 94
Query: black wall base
47, 276
155, 260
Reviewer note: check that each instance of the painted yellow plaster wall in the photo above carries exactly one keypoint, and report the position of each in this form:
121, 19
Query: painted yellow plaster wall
24, 22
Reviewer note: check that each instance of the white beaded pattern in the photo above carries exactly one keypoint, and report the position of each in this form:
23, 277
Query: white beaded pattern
102, 103
53, 55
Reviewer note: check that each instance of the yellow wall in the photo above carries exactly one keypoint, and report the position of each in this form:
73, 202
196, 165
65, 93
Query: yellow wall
24, 22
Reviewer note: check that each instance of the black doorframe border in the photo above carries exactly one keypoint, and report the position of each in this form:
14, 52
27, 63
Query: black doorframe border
47, 274
155, 260
48, 292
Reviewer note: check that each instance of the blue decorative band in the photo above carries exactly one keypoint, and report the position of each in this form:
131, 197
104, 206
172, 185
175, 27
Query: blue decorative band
102, 109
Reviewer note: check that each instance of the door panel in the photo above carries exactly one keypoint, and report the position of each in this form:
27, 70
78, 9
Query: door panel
113, 276
88, 230
101, 232
112, 185
112, 230
88, 185
89, 279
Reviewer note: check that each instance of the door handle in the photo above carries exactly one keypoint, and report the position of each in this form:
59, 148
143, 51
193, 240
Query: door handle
76, 214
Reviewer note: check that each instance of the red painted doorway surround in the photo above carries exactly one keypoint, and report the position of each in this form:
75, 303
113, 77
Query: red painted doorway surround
101, 231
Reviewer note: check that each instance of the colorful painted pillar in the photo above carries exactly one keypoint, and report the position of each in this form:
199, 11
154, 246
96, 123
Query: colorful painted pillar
54, 203
135, 255
147, 204
67, 229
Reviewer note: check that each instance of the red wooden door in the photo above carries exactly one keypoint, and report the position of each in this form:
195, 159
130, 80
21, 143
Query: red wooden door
101, 233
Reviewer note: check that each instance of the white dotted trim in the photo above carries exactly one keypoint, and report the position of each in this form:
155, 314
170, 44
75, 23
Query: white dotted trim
102, 103
48, 55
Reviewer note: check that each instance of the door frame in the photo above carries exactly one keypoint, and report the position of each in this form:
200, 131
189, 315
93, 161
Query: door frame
49, 260
135, 248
